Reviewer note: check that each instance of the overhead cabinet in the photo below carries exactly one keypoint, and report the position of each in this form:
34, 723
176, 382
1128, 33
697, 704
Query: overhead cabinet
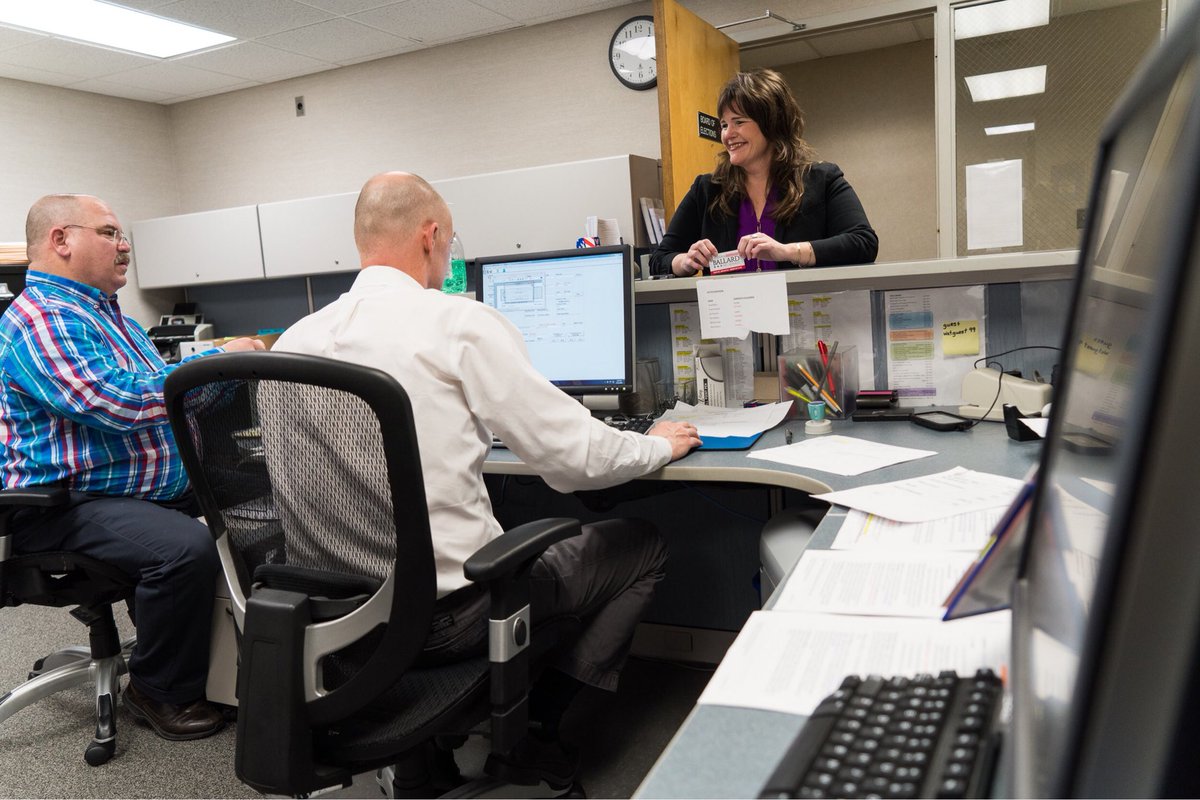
206, 247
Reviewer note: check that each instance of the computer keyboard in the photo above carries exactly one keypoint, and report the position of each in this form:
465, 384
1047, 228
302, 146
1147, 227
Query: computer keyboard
924, 736
635, 424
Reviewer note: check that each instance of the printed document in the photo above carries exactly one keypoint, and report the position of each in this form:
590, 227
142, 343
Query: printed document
731, 307
963, 532
841, 455
879, 584
929, 497
718, 422
789, 662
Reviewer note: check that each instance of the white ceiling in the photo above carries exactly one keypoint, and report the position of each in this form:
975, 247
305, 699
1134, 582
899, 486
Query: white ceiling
276, 39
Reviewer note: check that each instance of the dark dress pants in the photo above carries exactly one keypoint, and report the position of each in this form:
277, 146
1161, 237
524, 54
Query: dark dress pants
174, 561
605, 576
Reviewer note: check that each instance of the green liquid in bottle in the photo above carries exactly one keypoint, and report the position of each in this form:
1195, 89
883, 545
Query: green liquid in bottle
456, 277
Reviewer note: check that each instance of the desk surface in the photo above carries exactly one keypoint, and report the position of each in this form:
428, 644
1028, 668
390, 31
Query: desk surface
730, 752
986, 448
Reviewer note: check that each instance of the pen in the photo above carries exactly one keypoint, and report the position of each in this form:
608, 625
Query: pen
828, 399
827, 359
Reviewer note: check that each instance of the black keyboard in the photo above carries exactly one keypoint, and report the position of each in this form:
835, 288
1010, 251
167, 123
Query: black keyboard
635, 424
924, 736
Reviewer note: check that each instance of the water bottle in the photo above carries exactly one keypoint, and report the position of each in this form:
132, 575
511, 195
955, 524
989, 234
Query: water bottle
456, 277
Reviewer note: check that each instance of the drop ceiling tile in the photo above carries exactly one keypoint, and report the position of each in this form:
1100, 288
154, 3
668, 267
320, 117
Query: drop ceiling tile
253, 61
340, 41
245, 20
211, 92
344, 7
101, 86
433, 21
169, 76
11, 37
141, 5
59, 55
533, 11
36, 75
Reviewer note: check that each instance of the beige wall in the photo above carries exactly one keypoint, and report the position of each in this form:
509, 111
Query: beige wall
872, 114
528, 97
60, 140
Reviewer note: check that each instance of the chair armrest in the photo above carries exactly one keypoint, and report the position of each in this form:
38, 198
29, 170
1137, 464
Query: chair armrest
42, 497
507, 553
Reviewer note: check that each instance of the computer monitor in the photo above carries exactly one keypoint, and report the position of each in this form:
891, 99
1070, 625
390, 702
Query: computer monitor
575, 310
1106, 636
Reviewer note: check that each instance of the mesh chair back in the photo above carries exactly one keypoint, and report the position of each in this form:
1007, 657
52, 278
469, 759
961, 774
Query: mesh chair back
310, 471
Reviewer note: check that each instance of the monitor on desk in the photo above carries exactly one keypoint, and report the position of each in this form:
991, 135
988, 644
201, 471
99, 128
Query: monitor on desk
1106, 639
575, 310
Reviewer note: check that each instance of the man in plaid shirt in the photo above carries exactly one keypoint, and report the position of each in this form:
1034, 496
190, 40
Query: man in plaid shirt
81, 407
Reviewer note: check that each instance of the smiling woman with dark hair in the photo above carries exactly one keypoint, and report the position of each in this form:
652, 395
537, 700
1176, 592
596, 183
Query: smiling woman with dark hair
768, 198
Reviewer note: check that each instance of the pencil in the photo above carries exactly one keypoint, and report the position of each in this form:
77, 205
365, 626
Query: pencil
828, 399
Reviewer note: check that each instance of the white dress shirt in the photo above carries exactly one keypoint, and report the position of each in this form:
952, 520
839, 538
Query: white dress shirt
468, 375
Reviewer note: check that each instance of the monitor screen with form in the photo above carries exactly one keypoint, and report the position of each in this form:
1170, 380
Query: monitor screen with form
574, 309
1107, 609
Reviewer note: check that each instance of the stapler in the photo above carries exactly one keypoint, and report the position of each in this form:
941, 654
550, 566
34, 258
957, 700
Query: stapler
979, 393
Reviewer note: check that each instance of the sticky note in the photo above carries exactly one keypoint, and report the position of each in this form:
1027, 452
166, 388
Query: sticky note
960, 338
1092, 355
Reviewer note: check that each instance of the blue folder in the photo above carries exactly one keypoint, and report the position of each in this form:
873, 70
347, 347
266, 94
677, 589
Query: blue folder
728, 442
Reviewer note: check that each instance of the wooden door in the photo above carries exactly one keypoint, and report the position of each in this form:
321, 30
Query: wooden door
694, 62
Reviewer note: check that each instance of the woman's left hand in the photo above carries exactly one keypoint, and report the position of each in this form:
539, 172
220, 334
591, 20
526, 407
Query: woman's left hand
761, 246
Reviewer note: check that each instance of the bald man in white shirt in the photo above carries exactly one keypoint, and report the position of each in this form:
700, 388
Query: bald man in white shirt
468, 375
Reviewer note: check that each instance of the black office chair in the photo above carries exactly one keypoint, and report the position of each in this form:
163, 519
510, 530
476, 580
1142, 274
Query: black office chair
63, 579
308, 473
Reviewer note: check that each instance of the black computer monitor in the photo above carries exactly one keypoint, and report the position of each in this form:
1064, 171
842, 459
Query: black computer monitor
575, 310
1106, 667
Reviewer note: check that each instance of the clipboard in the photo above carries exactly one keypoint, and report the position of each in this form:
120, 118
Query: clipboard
987, 583
729, 442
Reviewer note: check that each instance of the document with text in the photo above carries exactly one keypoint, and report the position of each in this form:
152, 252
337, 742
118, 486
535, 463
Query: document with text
961, 532
876, 583
789, 662
929, 497
731, 307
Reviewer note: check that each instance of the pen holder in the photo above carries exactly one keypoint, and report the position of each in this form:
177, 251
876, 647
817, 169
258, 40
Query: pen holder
802, 372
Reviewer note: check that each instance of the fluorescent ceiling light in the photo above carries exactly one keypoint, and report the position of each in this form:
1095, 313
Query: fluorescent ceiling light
1004, 15
112, 26
1012, 83
997, 130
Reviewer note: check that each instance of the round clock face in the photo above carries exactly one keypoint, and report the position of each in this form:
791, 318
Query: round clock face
631, 53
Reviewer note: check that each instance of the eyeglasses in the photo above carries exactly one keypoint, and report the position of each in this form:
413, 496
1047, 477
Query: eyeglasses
114, 235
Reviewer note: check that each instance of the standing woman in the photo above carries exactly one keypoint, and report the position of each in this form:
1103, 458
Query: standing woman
768, 198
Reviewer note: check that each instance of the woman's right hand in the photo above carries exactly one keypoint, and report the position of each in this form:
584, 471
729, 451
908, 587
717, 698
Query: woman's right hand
694, 260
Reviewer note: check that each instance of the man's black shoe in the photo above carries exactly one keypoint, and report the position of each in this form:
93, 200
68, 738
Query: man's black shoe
535, 761
193, 720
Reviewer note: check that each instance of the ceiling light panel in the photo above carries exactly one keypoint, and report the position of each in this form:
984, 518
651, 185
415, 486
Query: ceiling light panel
1001, 16
999, 130
1010, 83
108, 25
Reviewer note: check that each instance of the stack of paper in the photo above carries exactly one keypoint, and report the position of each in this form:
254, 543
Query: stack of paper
654, 218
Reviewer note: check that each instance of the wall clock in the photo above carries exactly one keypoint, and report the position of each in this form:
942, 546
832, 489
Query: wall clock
631, 53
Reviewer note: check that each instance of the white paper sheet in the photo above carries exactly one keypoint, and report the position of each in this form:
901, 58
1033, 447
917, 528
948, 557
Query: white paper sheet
711, 421
962, 532
731, 307
1038, 425
945, 494
994, 204
888, 584
789, 662
841, 455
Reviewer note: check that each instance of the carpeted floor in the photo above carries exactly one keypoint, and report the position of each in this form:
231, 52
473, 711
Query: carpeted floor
41, 748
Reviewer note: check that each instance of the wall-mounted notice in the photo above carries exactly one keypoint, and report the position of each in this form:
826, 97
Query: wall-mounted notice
934, 337
708, 126
994, 205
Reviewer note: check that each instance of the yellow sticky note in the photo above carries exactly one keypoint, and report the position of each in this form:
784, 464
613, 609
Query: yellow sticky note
1092, 355
960, 338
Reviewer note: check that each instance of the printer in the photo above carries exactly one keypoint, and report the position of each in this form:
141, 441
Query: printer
173, 329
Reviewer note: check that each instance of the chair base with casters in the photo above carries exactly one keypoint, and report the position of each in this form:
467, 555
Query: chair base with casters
61, 579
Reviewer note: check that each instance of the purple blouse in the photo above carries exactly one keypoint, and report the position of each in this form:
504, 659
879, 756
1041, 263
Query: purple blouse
748, 223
